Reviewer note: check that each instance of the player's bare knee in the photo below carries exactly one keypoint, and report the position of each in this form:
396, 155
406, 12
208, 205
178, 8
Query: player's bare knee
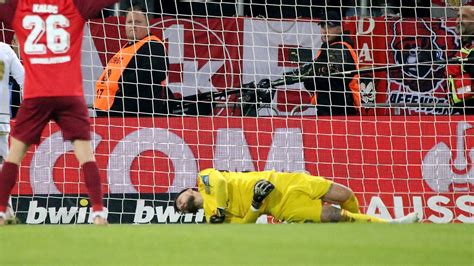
346, 193
330, 214
83, 151
338, 194
17, 151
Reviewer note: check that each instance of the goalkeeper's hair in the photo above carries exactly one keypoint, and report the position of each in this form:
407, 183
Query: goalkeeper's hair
175, 206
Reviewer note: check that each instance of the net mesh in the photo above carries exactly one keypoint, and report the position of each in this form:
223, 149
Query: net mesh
244, 94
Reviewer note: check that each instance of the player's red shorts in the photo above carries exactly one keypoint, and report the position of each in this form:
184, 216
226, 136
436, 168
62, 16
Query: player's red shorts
70, 113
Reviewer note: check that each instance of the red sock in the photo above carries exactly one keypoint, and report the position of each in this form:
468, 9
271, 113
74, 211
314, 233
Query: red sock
92, 177
7, 182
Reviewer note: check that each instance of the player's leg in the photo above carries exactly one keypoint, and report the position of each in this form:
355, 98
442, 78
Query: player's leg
85, 156
3, 146
9, 174
330, 192
342, 196
331, 214
31, 119
73, 119
10, 214
3, 154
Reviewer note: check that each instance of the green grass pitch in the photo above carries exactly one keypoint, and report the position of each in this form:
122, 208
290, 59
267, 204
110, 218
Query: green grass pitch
280, 244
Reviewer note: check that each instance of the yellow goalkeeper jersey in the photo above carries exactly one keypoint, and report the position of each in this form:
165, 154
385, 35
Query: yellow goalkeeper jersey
296, 197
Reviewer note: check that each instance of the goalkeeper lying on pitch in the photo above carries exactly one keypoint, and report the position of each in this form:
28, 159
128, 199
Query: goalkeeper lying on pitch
238, 197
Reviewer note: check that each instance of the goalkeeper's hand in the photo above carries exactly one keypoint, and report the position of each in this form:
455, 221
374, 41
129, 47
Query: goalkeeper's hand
260, 191
219, 217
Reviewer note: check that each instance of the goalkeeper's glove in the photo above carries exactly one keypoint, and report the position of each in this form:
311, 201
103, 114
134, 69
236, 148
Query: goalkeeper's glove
260, 191
219, 217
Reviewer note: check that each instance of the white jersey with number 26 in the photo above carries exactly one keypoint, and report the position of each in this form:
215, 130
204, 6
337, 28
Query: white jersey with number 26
9, 65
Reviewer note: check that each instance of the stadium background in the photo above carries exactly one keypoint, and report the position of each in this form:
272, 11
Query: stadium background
400, 157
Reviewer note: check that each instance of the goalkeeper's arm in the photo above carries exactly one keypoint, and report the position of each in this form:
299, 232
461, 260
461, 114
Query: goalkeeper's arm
249, 218
219, 185
261, 190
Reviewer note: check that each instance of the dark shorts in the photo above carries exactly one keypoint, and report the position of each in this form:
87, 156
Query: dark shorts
70, 113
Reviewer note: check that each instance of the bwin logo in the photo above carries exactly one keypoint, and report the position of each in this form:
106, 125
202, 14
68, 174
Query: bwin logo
59, 215
440, 171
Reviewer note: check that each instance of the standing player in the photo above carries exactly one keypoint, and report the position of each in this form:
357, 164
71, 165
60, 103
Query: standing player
50, 36
9, 65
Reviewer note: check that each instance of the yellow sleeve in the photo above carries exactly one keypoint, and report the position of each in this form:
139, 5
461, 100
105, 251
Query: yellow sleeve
250, 218
217, 184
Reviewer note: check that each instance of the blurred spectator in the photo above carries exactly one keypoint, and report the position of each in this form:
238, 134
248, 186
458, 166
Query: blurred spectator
134, 81
460, 75
145, 4
335, 94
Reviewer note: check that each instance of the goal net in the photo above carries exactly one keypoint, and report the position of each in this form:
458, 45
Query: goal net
238, 76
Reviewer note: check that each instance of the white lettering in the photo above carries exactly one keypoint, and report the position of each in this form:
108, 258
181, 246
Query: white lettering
361, 23
62, 215
398, 207
44, 159
401, 209
145, 214
286, 152
50, 60
148, 139
418, 206
34, 210
188, 217
168, 215
141, 209
365, 54
44, 8
433, 204
232, 151
461, 204
378, 208
81, 217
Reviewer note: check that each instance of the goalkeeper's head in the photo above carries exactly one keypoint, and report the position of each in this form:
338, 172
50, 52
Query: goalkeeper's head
188, 201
